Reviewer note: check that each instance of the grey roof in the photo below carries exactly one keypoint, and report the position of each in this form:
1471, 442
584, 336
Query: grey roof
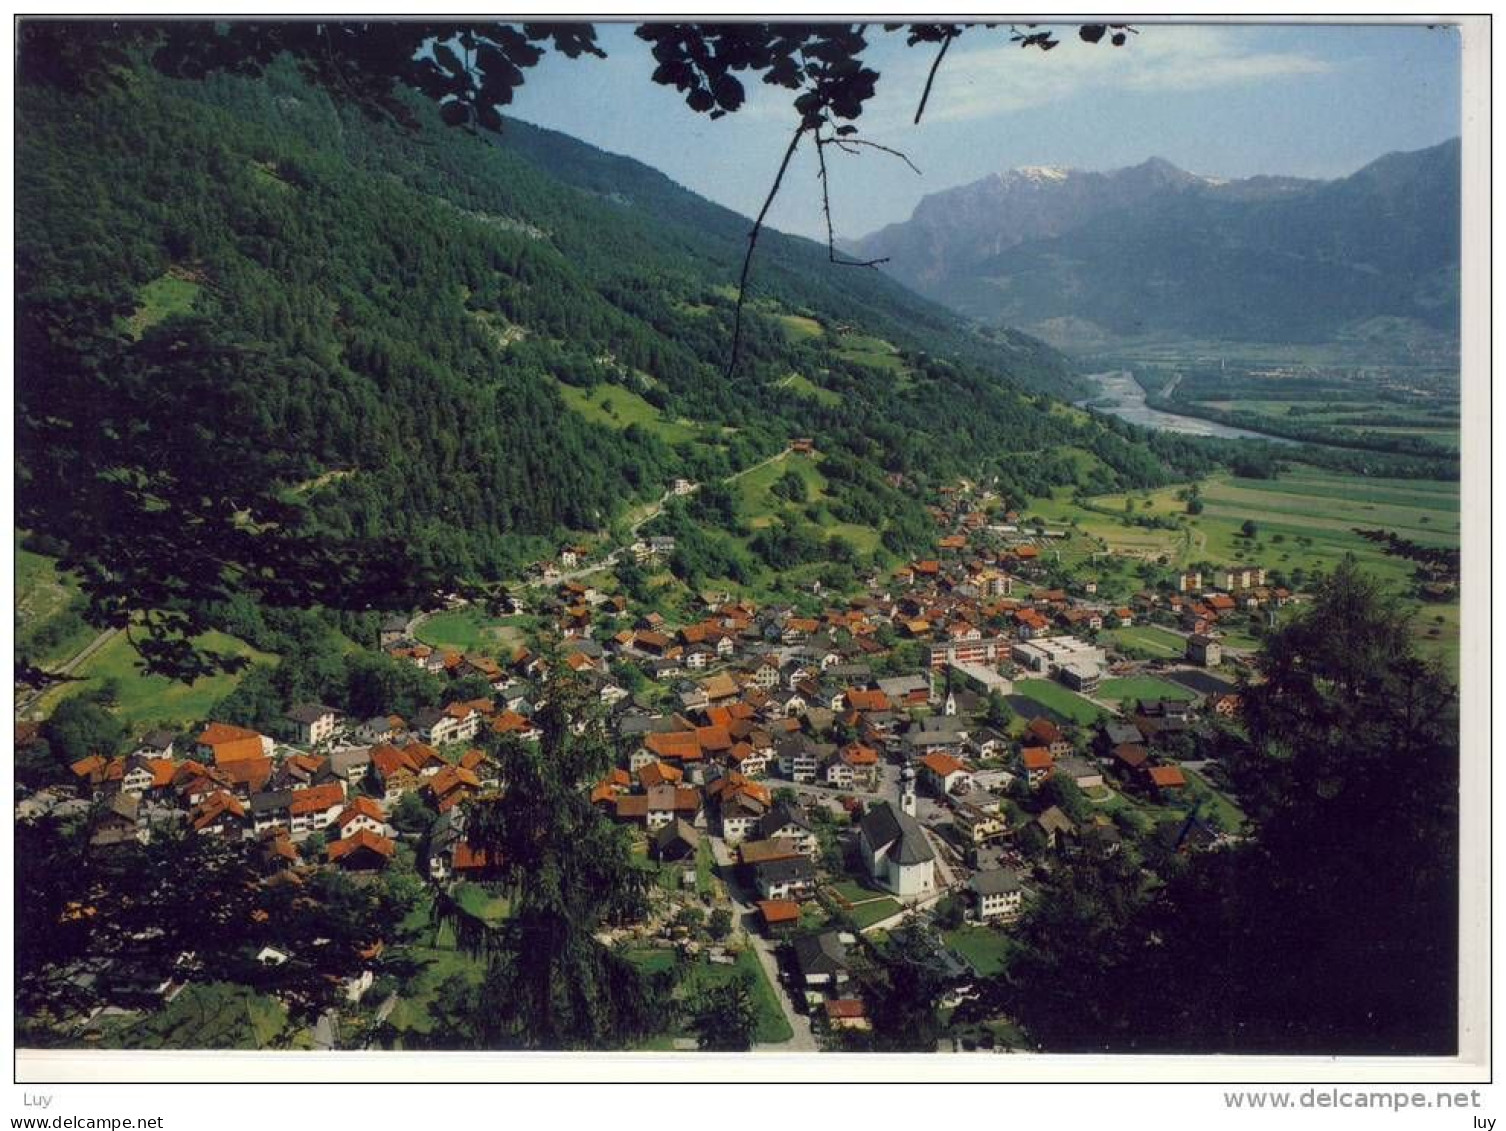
785, 869
126, 805
310, 712
850, 671
995, 881
1053, 820
446, 832
979, 799
781, 815
946, 724
271, 802
1076, 767
885, 825
343, 762
1120, 733
676, 830
157, 739
933, 738
820, 954
901, 685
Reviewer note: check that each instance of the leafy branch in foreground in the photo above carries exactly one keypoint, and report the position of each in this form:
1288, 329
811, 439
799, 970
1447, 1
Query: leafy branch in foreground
567, 871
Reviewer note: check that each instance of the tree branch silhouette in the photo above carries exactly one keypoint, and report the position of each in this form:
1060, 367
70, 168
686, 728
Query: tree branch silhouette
925, 95
831, 236
742, 282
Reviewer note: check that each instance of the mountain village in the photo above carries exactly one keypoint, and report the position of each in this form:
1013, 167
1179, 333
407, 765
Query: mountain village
802, 784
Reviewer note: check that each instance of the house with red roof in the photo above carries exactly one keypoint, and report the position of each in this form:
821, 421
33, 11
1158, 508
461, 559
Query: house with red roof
362, 814
366, 851
316, 808
219, 743
943, 774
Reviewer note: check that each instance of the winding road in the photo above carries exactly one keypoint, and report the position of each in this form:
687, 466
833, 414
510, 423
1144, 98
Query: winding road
653, 512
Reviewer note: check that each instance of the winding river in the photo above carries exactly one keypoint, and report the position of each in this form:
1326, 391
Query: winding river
1121, 387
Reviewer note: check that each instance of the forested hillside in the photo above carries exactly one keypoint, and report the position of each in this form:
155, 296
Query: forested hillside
248, 313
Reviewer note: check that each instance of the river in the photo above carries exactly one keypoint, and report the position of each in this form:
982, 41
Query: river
1129, 404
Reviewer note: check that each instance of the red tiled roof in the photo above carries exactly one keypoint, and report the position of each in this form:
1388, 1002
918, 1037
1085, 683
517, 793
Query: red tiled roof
366, 839
942, 765
868, 701
469, 858
1036, 758
318, 798
776, 911
390, 760
361, 807
679, 745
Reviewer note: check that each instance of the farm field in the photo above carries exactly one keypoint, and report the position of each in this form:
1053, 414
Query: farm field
1305, 523
1345, 420
1064, 702
143, 700
1303, 519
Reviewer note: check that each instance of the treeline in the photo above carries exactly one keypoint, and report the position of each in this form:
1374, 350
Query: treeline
1422, 458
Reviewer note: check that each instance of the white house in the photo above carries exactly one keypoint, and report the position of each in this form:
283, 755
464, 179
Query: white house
996, 894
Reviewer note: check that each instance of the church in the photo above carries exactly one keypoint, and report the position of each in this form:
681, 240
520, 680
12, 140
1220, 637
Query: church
895, 850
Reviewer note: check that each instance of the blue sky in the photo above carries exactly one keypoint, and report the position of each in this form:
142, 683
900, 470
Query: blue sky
1221, 100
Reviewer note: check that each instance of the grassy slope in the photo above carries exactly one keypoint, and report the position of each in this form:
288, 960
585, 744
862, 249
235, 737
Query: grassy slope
163, 297
617, 407
42, 593
155, 700
760, 507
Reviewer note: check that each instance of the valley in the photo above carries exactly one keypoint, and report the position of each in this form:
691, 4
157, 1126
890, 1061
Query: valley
433, 633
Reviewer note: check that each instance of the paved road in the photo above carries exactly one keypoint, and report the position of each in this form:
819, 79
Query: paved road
747, 913
28, 699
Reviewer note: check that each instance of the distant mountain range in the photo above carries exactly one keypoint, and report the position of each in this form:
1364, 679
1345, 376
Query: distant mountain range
1155, 251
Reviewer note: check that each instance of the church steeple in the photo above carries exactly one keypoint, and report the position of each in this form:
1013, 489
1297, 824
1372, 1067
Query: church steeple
907, 789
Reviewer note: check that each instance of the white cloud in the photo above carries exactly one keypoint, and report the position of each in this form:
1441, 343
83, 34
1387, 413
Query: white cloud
983, 81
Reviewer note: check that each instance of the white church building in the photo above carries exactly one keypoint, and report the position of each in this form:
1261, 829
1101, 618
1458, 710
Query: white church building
895, 850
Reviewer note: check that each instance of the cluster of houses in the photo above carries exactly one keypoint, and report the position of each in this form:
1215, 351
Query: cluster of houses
237, 784
744, 699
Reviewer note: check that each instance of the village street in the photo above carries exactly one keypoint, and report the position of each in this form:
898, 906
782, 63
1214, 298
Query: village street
747, 918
